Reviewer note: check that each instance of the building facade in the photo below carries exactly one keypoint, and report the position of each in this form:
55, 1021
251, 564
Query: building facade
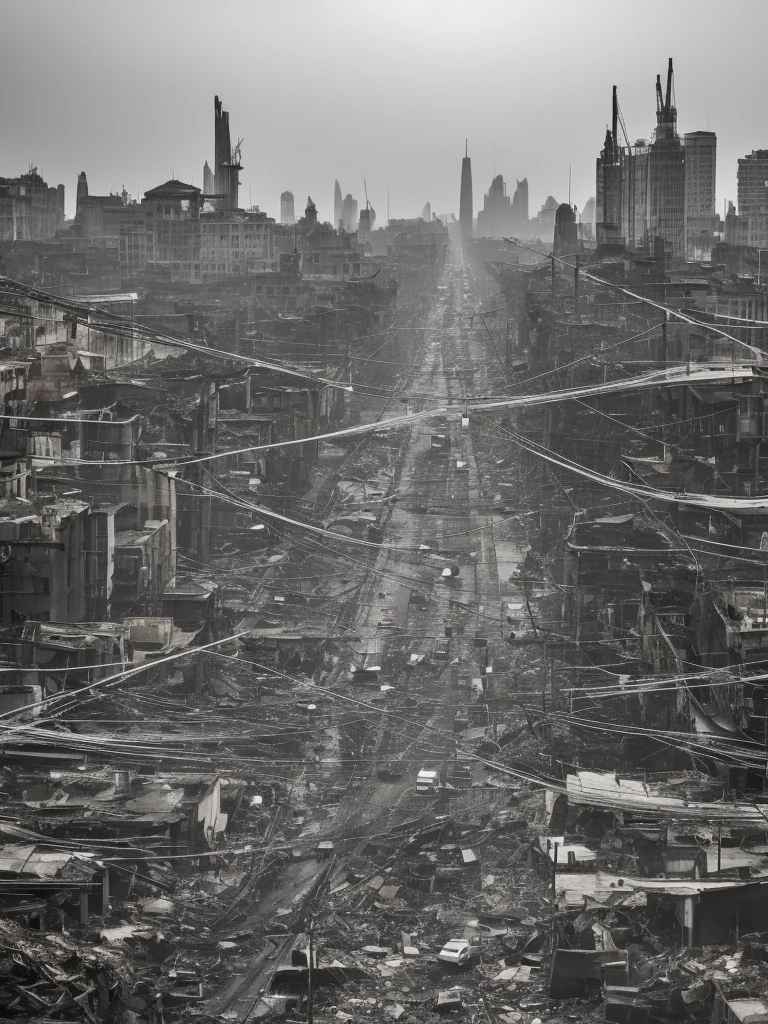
752, 183
227, 161
700, 166
30, 209
495, 218
466, 208
287, 214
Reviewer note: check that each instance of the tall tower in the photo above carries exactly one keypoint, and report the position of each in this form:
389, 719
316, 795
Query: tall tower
349, 213
466, 210
338, 211
287, 215
566, 237
666, 174
520, 209
209, 185
82, 191
609, 183
227, 162
700, 167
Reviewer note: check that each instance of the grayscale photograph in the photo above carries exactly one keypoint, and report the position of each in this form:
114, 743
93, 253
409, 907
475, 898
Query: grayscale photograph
383, 512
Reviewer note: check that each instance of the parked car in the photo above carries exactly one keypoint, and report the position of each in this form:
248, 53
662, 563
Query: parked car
455, 951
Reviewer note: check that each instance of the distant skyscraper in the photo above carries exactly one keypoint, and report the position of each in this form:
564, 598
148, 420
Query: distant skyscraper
338, 211
495, 218
466, 209
367, 220
520, 209
349, 213
426, 213
700, 163
587, 220
750, 227
608, 184
545, 219
82, 191
666, 174
752, 183
566, 238
227, 168
634, 193
209, 185
658, 193
287, 215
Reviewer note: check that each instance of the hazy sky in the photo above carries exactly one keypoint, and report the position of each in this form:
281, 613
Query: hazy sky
385, 90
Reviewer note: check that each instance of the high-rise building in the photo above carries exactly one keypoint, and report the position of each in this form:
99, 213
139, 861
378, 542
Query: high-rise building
700, 164
426, 212
666, 174
520, 216
227, 164
287, 215
608, 184
82, 192
209, 185
466, 208
543, 224
367, 220
752, 183
587, 220
566, 236
750, 226
495, 218
349, 213
658, 192
338, 204
634, 193
30, 209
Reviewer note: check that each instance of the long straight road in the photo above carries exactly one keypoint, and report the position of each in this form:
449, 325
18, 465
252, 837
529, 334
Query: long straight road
438, 494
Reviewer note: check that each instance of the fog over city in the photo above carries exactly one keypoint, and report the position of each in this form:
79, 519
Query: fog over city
383, 512
387, 91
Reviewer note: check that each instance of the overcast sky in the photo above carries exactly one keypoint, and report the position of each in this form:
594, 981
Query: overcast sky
383, 90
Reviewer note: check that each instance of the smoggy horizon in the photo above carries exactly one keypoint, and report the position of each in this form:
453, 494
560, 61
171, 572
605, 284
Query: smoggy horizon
341, 90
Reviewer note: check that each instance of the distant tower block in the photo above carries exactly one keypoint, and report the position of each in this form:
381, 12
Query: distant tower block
82, 191
287, 215
338, 206
349, 213
367, 220
466, 209
520, 209
227, 162
209, 182
426, 213
566, 240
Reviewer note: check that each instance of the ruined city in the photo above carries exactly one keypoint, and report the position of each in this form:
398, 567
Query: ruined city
384, 593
